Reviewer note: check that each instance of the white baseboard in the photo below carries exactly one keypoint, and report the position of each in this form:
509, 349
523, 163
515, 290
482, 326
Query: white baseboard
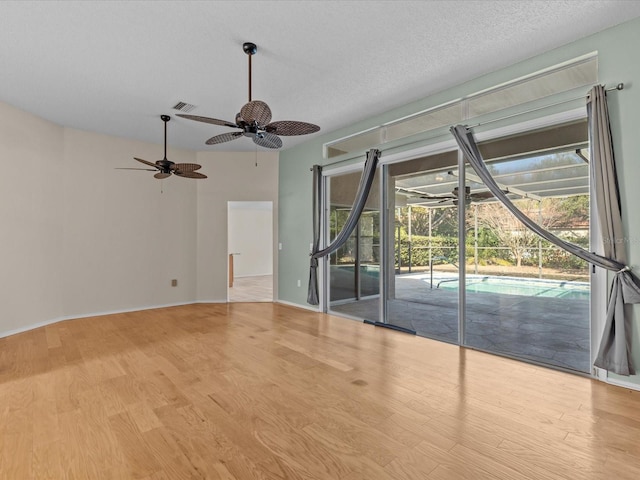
249, 275
297, 305
623, 384
32, 326
51, 321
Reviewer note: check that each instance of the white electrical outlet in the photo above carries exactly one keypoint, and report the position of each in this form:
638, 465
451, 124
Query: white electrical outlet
299, 283
280, 246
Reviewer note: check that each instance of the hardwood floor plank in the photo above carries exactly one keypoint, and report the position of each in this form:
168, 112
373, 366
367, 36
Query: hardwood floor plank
413, 464
352, 454
173, 463
141, 460
16, 458
557, 457
46, 460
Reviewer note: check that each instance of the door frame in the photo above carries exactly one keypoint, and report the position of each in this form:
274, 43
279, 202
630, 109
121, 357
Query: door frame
273, 239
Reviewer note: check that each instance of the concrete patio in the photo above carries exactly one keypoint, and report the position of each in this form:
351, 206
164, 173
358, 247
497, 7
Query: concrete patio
553, 331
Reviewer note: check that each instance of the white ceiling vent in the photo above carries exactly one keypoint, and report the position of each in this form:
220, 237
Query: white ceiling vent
183, 107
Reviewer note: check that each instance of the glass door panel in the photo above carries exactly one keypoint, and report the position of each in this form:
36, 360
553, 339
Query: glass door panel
354, 269
525, 297
422, 253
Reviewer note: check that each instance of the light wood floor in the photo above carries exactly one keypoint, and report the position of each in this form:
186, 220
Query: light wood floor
266, 391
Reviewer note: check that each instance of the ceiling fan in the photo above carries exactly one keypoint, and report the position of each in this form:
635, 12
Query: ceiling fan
254, 120
165, 168
454, 196
470, 197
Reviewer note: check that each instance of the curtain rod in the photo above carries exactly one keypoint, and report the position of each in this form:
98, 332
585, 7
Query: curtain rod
619, 86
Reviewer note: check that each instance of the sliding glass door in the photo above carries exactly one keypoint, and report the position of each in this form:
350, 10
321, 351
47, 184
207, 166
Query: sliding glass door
457, 266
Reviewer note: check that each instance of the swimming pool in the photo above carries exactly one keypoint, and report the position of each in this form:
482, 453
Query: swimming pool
518, 286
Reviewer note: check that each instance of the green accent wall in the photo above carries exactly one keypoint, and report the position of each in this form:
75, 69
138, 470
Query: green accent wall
618, 61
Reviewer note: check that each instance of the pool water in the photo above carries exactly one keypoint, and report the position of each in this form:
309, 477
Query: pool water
521, 286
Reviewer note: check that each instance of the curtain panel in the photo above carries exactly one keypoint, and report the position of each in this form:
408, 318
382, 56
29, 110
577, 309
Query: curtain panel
366, 180
615, 348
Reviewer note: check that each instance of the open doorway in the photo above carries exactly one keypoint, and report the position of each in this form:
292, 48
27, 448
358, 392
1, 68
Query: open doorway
250, 249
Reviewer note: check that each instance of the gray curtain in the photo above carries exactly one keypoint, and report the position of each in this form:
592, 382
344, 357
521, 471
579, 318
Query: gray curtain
615, 348
312, 292
366, 180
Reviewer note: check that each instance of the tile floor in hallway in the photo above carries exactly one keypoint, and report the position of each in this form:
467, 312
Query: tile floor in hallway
257, 288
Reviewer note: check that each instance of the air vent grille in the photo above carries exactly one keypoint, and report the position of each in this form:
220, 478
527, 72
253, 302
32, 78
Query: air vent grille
183, 107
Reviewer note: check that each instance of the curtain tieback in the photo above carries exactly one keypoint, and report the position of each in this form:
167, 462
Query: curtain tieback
625, 269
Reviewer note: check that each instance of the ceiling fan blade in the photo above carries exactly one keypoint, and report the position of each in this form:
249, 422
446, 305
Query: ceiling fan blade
143, 169
481, 195
290, 128
185, 167
411, 193
437, 197
256, 111
190, 174
161, 175
268, 140
213, 121
224, 137
146, 162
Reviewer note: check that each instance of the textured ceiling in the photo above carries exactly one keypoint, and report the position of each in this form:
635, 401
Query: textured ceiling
113, 67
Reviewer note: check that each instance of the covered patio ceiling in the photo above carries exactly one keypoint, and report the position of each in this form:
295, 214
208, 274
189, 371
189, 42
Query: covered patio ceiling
559, 174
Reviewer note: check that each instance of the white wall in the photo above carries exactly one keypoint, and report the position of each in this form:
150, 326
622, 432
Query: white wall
234, 177
79, 237
251, 235
127, 234
31, 227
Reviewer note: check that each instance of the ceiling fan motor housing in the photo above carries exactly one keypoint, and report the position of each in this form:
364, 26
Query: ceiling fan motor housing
249, 48
165, 165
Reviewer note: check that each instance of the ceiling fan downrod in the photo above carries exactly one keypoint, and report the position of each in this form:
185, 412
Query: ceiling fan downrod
250, 49
165, 119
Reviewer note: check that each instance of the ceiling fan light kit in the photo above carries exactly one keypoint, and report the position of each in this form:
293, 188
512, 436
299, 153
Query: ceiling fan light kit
165, 168
254, 119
